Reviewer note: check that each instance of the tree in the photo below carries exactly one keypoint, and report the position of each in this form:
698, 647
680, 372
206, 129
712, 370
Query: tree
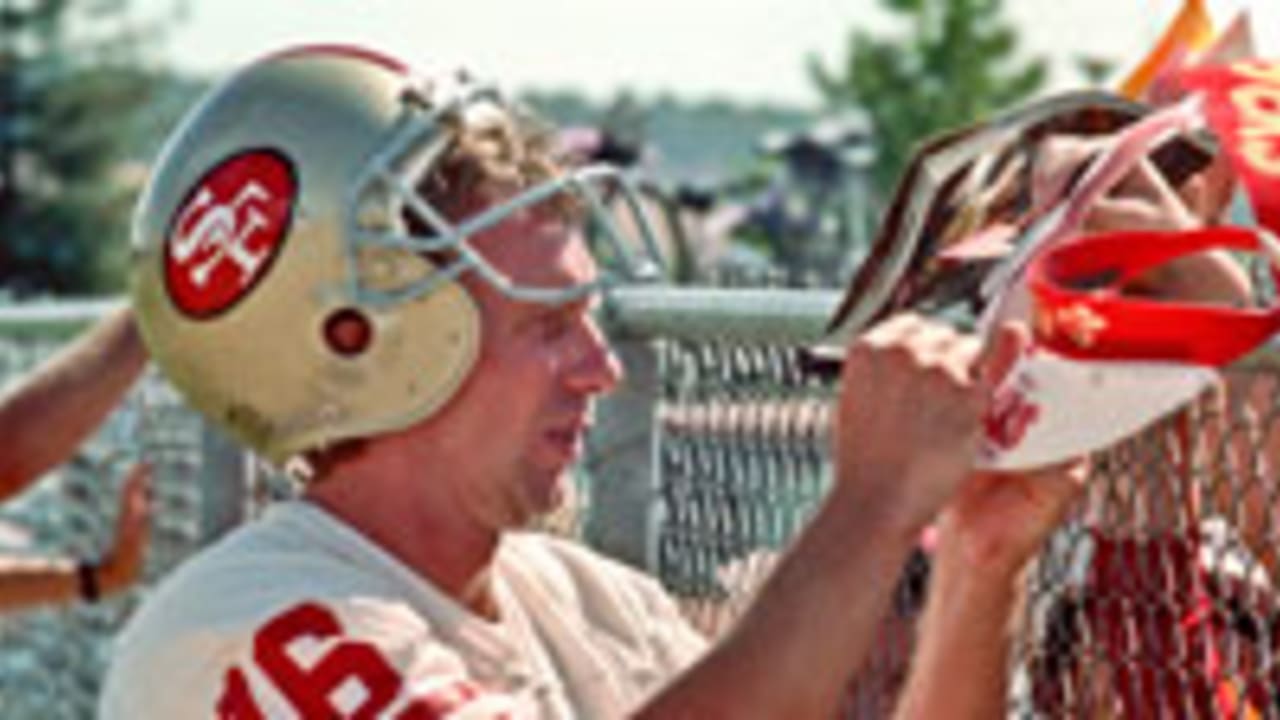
954, 64
72, 83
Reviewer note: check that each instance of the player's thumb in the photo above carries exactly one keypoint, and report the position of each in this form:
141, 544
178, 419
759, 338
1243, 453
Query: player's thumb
1003, 347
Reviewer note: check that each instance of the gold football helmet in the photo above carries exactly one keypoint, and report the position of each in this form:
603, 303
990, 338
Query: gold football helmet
280, 268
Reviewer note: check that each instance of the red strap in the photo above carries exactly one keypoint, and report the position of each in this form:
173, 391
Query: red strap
1098, 322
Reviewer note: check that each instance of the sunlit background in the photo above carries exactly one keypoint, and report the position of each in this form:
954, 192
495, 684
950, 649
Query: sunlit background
742, 50
707, 98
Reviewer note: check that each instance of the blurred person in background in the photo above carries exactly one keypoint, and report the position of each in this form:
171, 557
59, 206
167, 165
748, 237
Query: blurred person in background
49, 412
44, 418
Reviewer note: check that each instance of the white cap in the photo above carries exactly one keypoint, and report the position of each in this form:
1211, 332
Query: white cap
1102, 365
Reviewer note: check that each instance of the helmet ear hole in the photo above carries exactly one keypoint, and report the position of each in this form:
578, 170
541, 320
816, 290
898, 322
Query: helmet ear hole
348, 332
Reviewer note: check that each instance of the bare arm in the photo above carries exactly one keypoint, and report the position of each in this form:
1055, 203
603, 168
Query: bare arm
906, 430
986, 538
989, 531
54, 409
30, 582
27, 582
961, 665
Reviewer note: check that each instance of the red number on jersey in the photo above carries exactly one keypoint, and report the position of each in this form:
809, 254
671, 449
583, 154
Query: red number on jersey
236, 702
310, 689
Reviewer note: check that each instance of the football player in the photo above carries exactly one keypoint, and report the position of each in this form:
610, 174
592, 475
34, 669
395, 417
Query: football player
385, 281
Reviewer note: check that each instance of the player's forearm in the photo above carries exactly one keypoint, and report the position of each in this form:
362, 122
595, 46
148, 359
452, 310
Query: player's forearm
48, 414
961, 666
807, 632
27, 583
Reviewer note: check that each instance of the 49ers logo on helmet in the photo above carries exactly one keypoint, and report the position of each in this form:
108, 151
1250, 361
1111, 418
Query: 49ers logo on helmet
229, 229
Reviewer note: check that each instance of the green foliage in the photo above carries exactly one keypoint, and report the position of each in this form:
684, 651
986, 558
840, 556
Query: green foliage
72, 82
954, 64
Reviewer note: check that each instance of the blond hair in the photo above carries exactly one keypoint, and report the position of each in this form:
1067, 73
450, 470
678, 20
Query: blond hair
494, 159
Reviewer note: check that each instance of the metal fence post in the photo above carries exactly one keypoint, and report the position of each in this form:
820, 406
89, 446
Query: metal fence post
621, 460
624, 514
225, 479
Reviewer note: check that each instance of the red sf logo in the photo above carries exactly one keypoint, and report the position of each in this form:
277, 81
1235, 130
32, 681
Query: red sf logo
225, 235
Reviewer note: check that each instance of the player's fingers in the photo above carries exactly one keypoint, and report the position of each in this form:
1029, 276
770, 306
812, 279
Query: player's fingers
1147, 183
1128, 213
894, 330
998, 356
138, 486
1059, 162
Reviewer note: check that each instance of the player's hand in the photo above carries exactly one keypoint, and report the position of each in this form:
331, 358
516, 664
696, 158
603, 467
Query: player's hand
998, 520
1144, 200
907, 419
123, 563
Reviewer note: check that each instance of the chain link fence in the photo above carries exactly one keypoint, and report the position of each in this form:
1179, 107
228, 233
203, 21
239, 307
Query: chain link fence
1158, 599
1155, 600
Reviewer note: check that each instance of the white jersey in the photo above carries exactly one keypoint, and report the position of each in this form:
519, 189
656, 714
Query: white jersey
299, 616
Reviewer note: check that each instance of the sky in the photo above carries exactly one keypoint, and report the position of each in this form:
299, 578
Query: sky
744, 50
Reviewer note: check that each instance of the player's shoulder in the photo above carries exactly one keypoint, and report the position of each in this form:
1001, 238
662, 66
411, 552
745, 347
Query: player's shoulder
307, 654
272, 581
292, 553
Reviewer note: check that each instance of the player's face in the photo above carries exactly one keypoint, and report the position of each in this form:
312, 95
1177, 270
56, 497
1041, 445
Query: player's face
527, 404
